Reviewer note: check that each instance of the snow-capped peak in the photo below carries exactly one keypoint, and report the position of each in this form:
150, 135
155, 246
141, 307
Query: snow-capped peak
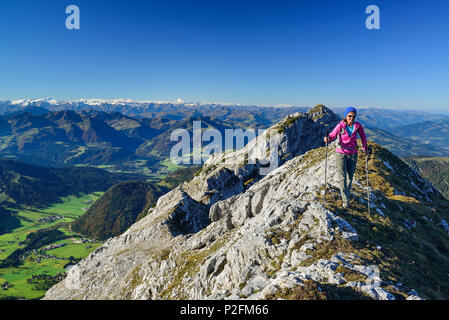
26, 102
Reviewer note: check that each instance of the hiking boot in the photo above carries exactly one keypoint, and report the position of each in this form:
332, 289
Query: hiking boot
345, 205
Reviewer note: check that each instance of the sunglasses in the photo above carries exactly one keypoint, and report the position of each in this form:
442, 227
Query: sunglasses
350, 116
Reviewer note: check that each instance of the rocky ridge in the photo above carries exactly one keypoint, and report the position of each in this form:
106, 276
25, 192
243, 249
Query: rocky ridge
234, 233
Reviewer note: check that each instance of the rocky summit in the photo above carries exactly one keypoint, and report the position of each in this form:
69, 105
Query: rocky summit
235, 233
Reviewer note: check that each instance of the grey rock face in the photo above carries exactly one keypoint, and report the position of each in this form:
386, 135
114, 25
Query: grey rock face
227, 174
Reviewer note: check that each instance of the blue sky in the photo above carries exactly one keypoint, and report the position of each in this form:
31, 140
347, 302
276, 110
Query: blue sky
250, 52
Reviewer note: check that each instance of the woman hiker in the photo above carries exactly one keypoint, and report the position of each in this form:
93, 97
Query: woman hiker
347, 131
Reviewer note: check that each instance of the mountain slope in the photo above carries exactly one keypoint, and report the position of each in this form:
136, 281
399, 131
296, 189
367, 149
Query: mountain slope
67, 137
387, 119
434, 169
433, 133
117, 209
23, 184
161, 144
232, 232
401, 146
175, 178
61, 138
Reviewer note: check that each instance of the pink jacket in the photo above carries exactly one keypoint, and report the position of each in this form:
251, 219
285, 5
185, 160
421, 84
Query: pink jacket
348, 143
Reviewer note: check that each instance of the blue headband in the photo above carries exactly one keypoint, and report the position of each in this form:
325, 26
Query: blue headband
350, 109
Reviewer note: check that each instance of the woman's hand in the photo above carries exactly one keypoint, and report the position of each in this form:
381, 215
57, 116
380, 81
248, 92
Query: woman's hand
326, 139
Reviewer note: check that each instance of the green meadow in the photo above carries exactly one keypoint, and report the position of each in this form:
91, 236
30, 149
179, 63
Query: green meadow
52, 262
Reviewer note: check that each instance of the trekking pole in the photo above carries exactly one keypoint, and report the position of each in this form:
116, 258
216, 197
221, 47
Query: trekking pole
325, 167
367, 178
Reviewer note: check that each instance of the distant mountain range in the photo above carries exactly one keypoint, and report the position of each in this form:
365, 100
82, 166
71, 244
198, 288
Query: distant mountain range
96, 137
105, 132
266, 115
246, 114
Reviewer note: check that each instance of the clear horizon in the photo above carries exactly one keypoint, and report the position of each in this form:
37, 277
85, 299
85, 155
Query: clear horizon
298, 53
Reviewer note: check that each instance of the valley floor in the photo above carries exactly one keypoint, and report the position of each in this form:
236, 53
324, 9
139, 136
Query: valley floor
46, 264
